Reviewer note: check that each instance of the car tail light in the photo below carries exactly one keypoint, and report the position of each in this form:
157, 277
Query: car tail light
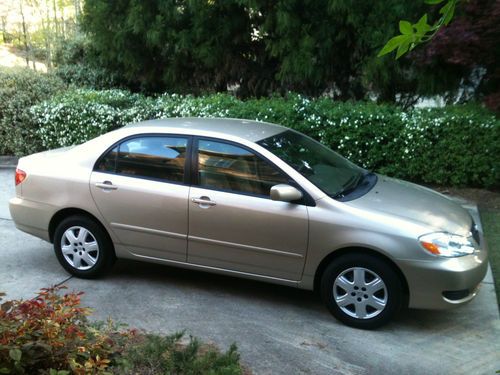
20, 176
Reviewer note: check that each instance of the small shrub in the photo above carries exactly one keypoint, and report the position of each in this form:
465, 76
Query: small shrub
153, 354
20, 88
51, 331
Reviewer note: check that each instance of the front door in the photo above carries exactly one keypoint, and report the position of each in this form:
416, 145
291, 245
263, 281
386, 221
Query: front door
140, 189
233, 224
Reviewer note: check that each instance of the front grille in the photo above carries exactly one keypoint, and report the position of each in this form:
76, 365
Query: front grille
475, 232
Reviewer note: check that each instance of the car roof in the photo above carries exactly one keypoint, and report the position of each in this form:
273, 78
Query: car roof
247, 129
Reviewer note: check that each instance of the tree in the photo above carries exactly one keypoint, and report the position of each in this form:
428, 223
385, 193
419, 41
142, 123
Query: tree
181, 45
311, 46
470, 46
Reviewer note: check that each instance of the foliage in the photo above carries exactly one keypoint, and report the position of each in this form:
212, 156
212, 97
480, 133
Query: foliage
187, 46
80, 115
455, 145
153, 354
76, 65
35, 27
20, 89
260, 47
469, 47
414, 34
83, 75
50, 334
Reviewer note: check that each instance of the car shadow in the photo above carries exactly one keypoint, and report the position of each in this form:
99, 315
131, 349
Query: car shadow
278, 296
211, 283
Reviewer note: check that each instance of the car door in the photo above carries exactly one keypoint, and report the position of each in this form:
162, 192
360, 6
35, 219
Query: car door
140, 187
233, 224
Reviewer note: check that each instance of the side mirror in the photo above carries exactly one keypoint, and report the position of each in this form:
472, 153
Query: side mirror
285, 193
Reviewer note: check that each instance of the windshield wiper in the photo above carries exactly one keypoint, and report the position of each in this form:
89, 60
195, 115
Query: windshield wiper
350, 186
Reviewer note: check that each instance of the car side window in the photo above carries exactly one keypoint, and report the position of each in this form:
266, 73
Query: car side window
155, 157
228, 167
108, 161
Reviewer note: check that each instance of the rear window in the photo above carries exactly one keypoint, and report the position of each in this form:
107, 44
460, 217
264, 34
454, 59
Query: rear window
154, 157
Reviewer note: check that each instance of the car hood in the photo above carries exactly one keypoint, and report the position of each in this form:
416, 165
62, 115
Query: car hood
416, 203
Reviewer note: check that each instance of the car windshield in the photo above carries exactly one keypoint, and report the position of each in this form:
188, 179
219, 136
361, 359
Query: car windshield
325, 168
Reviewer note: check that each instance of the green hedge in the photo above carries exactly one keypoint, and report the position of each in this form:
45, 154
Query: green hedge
457, 145
20, 89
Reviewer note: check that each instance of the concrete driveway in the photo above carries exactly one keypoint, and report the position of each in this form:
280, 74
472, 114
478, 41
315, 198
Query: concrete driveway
278, 330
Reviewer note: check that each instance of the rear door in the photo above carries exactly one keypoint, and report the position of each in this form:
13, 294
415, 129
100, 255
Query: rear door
233, 223
140, 187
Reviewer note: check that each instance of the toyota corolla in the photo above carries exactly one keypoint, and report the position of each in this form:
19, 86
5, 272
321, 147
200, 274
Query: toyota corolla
254, 200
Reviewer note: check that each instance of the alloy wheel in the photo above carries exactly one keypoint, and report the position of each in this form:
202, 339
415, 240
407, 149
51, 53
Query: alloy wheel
360, 293
79, 248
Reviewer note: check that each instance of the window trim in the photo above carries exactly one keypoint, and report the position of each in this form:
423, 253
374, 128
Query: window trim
187, 162
306, 200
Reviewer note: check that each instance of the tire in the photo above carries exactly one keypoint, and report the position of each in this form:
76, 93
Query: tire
361, 290
90, 252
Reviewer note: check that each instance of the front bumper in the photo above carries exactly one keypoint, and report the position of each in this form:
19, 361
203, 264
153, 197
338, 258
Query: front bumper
443, 283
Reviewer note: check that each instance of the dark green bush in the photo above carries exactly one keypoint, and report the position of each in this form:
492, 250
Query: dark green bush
82, 75
77, 64
456, 145
21, 88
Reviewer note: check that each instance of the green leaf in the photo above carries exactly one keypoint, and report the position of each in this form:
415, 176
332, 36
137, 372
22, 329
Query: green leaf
392, 44
449, 13
4, 370
403, 48
422, 26
446, 7
433, 2
15, 354
405, 27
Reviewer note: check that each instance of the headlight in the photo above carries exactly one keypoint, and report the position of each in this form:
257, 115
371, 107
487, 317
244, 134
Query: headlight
447, 245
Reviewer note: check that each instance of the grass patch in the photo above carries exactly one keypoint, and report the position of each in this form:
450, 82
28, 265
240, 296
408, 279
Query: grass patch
490, 219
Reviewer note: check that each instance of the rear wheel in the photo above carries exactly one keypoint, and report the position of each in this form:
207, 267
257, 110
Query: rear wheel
83, 247
361, 290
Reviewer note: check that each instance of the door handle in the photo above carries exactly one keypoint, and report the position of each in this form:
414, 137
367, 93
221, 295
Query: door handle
203, 201
106, 185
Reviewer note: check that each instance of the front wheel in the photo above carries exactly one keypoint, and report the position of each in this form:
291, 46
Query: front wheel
361, 290
82, 247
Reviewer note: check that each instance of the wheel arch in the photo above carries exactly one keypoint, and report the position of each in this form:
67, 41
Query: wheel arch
359, 250
62, 214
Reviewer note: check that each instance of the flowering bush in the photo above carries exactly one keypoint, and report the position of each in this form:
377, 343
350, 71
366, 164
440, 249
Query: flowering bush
455, 145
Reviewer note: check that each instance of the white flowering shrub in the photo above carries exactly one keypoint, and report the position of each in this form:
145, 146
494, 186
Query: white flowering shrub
447, 146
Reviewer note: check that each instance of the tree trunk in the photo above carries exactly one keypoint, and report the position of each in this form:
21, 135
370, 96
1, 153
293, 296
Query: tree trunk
46, 31
76, 3
56, 23
25, 38
4, 29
